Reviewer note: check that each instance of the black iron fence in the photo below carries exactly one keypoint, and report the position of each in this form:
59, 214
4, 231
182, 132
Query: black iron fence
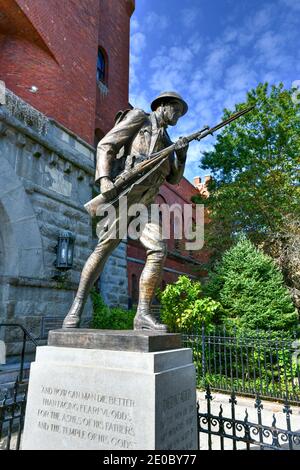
249, 362
231, 433
25, 338
12, 413
13, 392
254, 365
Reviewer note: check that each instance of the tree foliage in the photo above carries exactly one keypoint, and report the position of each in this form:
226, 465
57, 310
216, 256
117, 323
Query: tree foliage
251, 289
183, 307
255, 168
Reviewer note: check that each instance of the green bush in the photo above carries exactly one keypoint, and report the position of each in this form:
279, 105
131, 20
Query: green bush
183, 307
251, 289
106, 318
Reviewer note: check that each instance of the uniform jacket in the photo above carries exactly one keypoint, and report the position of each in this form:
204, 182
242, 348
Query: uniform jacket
137, 136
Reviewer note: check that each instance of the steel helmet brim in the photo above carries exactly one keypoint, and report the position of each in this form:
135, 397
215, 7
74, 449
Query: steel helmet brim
169, 95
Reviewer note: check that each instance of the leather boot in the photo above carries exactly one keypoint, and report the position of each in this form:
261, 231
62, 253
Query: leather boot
146, 321
72, 320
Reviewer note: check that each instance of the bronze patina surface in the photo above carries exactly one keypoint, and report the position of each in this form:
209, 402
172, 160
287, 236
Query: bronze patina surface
137, 139
139, 341
136, 136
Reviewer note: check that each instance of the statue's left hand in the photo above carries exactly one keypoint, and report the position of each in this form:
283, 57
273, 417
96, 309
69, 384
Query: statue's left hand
181, 147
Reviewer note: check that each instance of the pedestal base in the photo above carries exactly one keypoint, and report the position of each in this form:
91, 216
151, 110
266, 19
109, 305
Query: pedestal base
112, 400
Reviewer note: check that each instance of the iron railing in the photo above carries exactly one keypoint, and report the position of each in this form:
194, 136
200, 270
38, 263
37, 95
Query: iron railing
241, 433
250, 363
212, 353
26, 336
12, 413
13, 396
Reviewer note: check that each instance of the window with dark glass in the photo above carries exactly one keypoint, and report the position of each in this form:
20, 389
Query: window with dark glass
101, 67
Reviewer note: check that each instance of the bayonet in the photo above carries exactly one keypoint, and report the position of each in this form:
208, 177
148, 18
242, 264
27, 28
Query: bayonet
125, 182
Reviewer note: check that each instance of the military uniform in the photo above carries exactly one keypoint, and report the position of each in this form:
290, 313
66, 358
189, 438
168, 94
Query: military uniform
132, 140
135, 137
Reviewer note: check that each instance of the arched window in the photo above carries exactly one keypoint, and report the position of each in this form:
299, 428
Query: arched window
101, 67
178, 228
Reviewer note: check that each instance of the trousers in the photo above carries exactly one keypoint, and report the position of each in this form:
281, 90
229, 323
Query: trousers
156, 251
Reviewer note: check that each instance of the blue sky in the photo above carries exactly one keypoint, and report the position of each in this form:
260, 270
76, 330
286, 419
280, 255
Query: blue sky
211, 52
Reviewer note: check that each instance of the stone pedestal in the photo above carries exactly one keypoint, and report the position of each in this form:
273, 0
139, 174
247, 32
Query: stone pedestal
85, 395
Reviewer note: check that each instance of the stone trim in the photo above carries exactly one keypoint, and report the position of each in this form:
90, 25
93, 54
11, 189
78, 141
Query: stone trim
72, 134
48, 143
39, 283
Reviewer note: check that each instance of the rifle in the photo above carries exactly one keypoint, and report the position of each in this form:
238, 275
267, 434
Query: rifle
130, 178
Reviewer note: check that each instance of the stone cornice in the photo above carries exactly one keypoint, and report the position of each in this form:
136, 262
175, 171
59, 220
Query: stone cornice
76, 158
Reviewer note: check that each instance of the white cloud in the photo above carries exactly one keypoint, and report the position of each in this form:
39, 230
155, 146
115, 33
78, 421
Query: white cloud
240, 77
216, 59
262, 47
171, 68
268, 43
195, 43
140, 100
190, 16
193, 164
134, 24
230, 35
292, 4
261, 20
138, 43
155, 21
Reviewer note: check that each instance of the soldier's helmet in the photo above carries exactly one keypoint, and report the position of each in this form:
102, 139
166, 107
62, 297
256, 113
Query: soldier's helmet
169, 95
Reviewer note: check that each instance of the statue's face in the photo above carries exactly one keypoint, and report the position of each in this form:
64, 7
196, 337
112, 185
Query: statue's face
173, 110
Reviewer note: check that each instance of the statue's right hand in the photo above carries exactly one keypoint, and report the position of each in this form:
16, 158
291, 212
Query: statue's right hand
107, 188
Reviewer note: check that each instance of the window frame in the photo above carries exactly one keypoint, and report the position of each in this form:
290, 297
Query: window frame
102, 66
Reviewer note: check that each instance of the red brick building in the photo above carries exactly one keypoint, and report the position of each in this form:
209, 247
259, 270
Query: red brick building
65, 64
49, 53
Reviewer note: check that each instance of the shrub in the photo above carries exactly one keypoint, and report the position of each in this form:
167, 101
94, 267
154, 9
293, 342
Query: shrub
107, 318
183, 307
251, 289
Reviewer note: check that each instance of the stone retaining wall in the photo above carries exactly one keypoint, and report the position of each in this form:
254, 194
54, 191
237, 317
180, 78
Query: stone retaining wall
45, 179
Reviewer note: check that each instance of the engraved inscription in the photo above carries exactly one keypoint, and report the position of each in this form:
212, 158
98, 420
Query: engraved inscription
89, 416
177, 422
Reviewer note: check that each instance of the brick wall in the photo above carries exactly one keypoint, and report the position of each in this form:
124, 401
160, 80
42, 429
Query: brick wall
114, 32
53, 45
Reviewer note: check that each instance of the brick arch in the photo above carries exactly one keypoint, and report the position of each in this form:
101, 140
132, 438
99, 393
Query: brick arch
21, 239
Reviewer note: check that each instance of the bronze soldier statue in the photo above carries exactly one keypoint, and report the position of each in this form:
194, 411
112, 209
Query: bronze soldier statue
136, 136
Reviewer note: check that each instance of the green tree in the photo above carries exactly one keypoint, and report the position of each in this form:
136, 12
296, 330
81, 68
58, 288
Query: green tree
255, 168
183, 306
251, 289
